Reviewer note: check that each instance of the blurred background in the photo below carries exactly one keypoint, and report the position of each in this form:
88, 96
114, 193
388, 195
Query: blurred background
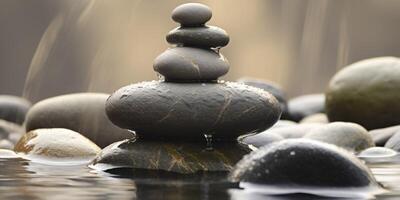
53, 47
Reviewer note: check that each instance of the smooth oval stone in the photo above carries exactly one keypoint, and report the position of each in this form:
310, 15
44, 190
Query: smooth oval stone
163, 110
13, 108
292, 131
183, 64
394, 142
203, 37
81, 112
377, 152
366, 93
301, 162
256, 141
347, 135
382, 135
177, 157
315, 118
306, 105
56, 144
5, 153
192, 14
270, 87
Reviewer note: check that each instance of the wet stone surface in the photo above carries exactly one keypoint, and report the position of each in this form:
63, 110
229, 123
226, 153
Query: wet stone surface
188, 111
177, 157
303, 162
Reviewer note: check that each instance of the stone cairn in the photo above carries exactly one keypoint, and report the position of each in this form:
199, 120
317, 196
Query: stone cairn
189, 121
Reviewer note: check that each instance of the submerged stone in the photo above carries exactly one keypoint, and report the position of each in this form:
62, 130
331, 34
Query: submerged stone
191, 14
203, 37
176, 157
81, 112
301, 162
163, 110
382, 135
347, 135
191, 64
366, 93
13, 108
303, 106
56, 144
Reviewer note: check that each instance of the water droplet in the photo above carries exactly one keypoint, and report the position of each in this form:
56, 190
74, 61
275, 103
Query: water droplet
160, 77
209, 146
292, 153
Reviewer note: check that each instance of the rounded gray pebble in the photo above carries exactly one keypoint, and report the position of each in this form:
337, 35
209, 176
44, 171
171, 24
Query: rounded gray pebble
186, 64
206, 37
192, 14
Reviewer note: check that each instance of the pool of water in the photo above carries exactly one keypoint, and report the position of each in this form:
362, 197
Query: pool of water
22, 179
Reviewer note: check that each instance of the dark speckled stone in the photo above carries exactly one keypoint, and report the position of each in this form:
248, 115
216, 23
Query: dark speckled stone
301, 162
162, 110
186, 64
177, 157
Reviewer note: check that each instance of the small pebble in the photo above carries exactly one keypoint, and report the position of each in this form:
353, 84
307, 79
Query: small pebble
377, 152
192, 14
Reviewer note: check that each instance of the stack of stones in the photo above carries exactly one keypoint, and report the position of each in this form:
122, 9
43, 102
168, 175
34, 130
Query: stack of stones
189, 121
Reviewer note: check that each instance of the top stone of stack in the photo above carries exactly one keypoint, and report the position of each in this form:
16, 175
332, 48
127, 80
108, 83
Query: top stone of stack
191, 14
195, 58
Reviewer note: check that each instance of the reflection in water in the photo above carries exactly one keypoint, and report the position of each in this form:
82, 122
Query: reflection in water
20, 179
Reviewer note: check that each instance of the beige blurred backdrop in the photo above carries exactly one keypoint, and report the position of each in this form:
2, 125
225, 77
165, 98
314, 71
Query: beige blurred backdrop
53, 47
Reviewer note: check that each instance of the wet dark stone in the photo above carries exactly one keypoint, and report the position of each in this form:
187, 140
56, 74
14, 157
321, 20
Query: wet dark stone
272, 88
175, 157
258, 140
302, 162
191, 14
394, 141
366, 93
203, 37
182, 64
13, 108
347, 135
163, 110
81, 112
382, 135
306, 105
